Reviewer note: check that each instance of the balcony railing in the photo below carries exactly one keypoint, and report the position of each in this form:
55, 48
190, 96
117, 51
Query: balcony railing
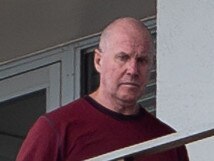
160, 144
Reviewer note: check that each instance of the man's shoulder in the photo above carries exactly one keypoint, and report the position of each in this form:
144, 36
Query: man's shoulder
68, 111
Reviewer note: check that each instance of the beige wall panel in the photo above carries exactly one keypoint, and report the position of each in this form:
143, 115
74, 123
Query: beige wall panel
31, 25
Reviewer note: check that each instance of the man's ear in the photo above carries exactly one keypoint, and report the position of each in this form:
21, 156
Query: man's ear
97, 59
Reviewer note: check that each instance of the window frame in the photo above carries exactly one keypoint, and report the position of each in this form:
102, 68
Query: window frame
47, 78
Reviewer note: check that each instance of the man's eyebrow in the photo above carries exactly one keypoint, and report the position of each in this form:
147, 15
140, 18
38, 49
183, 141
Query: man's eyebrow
143, 56
121, 52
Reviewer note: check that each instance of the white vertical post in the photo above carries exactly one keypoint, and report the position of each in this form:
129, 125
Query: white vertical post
185, 68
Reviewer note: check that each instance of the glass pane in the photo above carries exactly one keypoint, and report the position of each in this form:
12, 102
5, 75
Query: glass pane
16, 117
89, 75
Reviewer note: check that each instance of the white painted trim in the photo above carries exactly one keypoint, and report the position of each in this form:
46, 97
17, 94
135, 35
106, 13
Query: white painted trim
54, 88
21, 93
63, 56
47, 77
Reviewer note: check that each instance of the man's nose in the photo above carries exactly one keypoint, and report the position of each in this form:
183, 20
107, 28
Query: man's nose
132, 67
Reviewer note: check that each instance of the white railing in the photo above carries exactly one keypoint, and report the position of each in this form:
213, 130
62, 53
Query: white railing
160, 144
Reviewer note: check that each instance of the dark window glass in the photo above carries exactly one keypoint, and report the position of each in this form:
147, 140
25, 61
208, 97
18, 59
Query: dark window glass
17, 115
89, 75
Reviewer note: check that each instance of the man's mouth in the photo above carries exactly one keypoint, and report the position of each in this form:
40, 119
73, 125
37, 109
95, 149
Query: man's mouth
131, 84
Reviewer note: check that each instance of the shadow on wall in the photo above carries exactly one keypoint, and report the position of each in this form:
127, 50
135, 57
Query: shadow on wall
29, 26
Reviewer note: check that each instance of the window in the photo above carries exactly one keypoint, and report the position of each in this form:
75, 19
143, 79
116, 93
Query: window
89, 75
25, 97
16, 117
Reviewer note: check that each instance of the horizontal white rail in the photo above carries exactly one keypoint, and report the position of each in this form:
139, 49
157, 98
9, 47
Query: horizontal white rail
160, 144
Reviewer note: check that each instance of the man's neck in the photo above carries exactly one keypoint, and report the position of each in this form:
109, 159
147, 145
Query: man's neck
114, 104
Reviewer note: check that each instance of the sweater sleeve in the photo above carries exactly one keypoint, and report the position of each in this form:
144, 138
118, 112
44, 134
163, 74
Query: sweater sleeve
182, 153
41, 144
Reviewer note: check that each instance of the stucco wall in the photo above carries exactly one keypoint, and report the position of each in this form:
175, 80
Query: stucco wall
185, 68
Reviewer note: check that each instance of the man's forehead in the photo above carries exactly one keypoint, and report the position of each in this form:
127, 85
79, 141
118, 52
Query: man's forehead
129, 43
122, 35
127, 33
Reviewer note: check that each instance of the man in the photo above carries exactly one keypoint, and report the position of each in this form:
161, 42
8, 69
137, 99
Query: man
109, 118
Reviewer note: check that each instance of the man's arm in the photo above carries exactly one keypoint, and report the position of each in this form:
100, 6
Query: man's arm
182, 153
41, 143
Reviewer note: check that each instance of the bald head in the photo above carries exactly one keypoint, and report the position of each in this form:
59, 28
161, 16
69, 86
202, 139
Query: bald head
124, 26
123, 62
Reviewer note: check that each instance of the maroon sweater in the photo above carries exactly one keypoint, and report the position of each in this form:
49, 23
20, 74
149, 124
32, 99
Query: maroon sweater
84, 129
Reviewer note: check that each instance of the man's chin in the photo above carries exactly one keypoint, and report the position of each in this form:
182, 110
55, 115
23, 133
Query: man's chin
129, 99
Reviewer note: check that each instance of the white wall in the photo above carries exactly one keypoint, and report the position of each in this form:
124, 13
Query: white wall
185, 55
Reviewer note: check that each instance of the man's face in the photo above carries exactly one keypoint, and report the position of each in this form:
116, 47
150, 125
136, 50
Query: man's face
124, 68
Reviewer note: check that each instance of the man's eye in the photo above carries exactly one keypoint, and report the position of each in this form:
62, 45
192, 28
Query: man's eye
143, 60
123, 57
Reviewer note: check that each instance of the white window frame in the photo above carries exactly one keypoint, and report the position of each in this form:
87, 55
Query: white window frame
47, 77
67, 55
58, 62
